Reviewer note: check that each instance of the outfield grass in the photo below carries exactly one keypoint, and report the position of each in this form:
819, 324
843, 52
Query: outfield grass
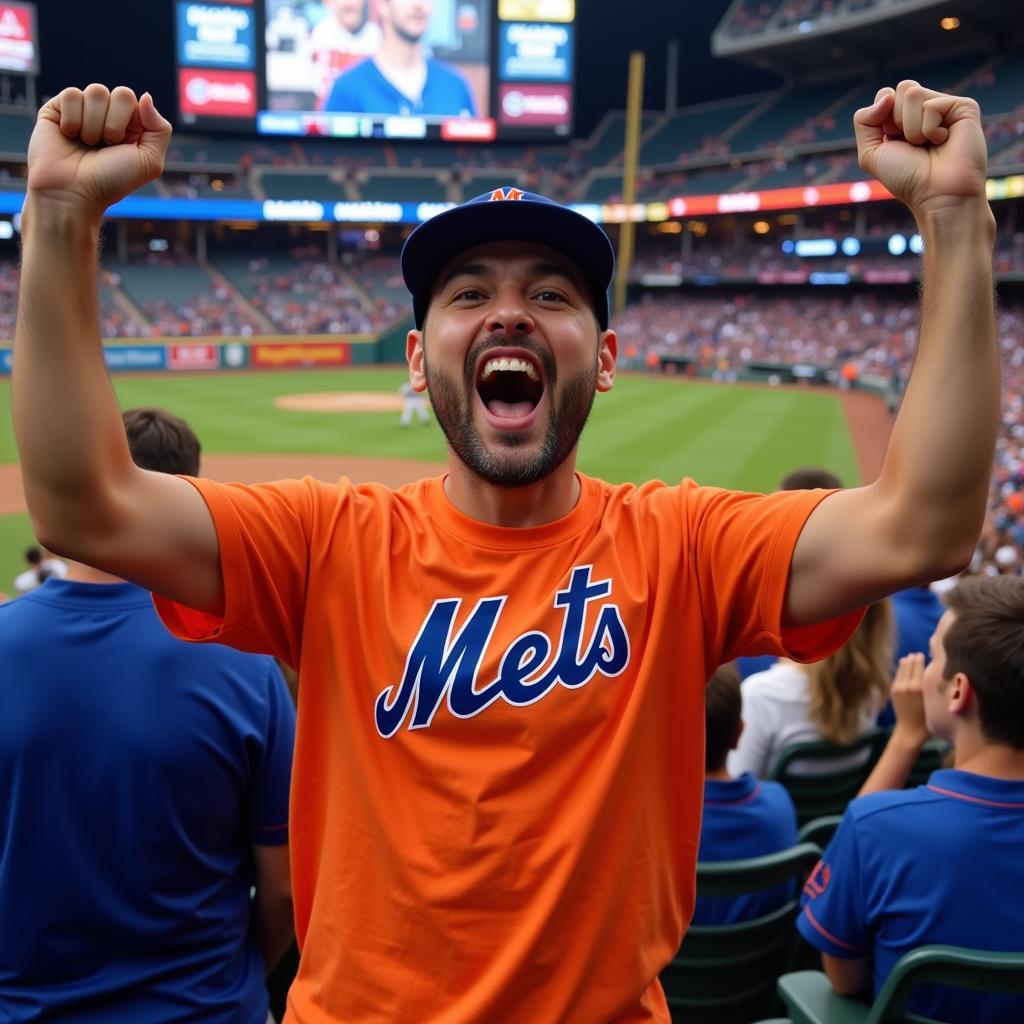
744, 437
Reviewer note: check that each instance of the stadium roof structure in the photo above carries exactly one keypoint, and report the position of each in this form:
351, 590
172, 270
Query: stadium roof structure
856, 35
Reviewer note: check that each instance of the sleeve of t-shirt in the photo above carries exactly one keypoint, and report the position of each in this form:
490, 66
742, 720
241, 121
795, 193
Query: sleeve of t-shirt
833, 914
742, 547
264, 532
268, 797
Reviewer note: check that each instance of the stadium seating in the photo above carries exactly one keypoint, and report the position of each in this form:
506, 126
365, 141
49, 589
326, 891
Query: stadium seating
748, 17
609, 138
688, 130
839, 772
809, 997
790, 113
819, 830
409, 187
309, 185
15, 130
702, 984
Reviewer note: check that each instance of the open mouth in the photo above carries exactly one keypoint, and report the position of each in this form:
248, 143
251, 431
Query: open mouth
510, 387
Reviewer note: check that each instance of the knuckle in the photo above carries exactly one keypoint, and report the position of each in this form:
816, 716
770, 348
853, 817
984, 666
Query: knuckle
96, 89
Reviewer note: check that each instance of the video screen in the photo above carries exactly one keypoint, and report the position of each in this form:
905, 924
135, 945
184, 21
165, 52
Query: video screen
451, 69
425, 58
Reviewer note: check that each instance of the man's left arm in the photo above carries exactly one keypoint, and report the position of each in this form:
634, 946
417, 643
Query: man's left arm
920, 520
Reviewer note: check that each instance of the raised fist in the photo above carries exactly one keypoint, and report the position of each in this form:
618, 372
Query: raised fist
92, 147
926, 147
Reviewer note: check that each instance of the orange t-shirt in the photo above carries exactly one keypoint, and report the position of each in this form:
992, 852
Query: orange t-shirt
496, 792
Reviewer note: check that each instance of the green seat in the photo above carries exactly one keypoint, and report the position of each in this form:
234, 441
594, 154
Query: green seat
726, 974
819, 830
832, 786
809, 997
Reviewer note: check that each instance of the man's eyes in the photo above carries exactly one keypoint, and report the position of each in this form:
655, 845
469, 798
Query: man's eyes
475, 295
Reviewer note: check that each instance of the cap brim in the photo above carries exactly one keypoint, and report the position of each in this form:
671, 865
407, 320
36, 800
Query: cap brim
436, 242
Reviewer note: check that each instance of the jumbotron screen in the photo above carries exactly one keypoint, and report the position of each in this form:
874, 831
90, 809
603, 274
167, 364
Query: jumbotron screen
416, 69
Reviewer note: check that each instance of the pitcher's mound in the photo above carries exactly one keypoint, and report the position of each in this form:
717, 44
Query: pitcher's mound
342, 401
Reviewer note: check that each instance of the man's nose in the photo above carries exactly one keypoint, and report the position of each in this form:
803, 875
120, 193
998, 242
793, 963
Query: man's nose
509, 315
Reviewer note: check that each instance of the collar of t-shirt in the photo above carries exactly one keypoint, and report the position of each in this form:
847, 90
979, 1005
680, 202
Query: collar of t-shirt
72, 593
983, 790
731, 791
508, 538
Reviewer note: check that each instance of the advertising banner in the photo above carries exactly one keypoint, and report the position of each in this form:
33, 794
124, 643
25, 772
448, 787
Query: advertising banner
217, 93
530, 105
212, 35
135, 357
6, 356
193, 357
19, 50
537, 10
234, 356
536, 50
300, 353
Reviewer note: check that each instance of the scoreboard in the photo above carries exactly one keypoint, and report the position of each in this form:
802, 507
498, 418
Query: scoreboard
461, 70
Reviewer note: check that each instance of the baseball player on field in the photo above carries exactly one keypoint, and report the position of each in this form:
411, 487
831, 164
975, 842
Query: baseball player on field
499, 754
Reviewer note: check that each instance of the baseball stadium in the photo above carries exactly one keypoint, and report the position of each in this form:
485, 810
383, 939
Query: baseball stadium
767, 303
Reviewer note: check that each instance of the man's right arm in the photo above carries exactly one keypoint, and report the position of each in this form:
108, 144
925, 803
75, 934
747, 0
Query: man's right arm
86, 497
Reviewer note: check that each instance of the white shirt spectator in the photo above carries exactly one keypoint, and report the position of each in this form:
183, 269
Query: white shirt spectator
775, 716
335, 49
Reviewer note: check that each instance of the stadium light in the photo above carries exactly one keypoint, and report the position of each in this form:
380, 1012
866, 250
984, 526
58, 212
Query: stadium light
949, 24
817, 247
850, 246
916, 244
897, 245
761, 227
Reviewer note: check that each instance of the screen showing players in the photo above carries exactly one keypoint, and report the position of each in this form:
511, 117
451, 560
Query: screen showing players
451, 69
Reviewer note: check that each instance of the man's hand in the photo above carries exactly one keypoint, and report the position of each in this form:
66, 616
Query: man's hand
90, 148
908, 701
926, 147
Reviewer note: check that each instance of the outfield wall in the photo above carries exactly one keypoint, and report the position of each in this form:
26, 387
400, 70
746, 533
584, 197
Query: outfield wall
265, 352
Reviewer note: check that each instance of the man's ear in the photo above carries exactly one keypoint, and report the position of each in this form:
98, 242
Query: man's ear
607, 355
414, 357
960, 694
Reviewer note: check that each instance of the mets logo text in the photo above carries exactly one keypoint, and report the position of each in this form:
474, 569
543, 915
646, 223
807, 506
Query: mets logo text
442, 666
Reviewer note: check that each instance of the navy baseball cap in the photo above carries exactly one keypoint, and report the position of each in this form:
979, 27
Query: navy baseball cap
512, 215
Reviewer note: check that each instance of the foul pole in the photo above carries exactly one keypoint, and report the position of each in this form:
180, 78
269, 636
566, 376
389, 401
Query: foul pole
630, 156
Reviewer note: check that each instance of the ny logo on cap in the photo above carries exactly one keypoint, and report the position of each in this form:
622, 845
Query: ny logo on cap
501, 193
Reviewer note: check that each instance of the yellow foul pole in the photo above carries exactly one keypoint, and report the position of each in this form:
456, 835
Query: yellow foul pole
634, 111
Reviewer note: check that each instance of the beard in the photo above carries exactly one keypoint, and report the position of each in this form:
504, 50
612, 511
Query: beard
410, 37
508, 465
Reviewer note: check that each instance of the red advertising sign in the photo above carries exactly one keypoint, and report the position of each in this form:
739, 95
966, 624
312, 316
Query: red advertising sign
475, 129
778, 199
217, 93
192, 357
301, 353
532, 105
18, 38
